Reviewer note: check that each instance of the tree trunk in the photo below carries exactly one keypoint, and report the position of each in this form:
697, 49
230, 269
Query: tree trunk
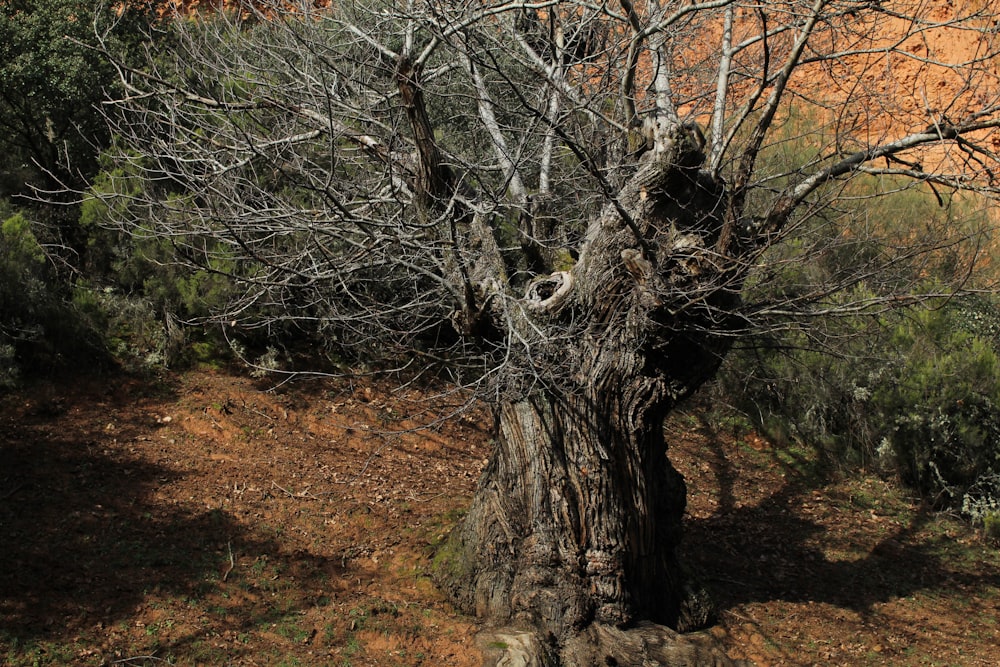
574, 528
578, 515
576, 523
577, 518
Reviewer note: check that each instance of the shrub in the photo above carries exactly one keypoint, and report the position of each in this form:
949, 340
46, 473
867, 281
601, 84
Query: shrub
913, 392
991, 525
917, 397
943, 402
39, 329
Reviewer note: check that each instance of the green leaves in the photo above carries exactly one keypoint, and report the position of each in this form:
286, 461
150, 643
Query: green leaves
51, 84
917, 397
19, 249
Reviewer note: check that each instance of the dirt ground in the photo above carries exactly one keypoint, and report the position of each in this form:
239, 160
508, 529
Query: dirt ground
212, 519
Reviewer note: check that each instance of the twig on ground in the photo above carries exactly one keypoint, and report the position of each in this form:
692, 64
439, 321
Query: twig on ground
258, 412
301, 494
232, 561
425, 500
136, 659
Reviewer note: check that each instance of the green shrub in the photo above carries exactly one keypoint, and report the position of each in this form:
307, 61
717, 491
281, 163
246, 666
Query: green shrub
981, 504
843, 366
154, 307
918, 397
943, 401
25, 301
991, 525
40, 330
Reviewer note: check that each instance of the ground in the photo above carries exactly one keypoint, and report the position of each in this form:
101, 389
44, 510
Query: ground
210, 518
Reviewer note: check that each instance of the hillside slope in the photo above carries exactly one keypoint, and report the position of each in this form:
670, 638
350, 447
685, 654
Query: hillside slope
201, 519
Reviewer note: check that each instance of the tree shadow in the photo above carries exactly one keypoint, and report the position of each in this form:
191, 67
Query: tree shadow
773, 551
145, 525
84, 537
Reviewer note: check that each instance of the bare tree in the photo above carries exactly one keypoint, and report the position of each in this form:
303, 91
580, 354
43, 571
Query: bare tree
563, 201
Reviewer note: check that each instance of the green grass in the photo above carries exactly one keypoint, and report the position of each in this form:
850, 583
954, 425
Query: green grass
290, 629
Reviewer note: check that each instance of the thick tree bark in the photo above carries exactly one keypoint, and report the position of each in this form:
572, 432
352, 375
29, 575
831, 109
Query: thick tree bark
574, 528
577, 519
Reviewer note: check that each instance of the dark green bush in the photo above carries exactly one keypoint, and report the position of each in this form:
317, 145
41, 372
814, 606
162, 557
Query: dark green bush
917, 397
40, 330
943, 400
849, 365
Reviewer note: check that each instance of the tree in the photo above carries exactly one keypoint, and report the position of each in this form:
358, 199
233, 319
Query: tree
561, 203
50, 136
49, 86
51, 131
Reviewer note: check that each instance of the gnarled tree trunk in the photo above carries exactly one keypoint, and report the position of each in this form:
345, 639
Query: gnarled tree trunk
576, 521
577, 517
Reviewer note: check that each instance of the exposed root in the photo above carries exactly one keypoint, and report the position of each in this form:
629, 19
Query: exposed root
646, 645
507, 647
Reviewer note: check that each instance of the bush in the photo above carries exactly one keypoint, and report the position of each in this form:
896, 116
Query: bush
918, 397
141, 292
844, 367
40, 330
25, 302
991, 525
943, 400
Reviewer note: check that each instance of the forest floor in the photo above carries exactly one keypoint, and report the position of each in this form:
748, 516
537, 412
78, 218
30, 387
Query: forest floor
200, 519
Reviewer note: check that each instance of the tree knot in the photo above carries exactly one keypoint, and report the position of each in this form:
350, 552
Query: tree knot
548, 293
640, 267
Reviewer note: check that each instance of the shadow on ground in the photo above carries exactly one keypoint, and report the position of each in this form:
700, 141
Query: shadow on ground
773, 550
85, 536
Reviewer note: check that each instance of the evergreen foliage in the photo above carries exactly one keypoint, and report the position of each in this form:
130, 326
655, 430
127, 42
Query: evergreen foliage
51, 83
40, 329
913, 392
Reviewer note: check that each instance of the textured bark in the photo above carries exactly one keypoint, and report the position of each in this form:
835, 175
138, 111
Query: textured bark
603, 646
433, 182
577, 519
645, 644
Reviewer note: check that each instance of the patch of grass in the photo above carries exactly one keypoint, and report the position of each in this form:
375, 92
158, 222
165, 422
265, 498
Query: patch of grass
352, 646
735, 423
290, 629
34, 654
862, 498
203, 652
803, 462
217, 610
450, 562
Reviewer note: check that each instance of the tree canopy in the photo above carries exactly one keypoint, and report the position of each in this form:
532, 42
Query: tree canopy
311, 140
51, 84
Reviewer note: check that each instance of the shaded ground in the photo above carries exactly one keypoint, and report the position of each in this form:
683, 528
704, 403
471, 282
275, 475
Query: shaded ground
201, 520
810, 570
